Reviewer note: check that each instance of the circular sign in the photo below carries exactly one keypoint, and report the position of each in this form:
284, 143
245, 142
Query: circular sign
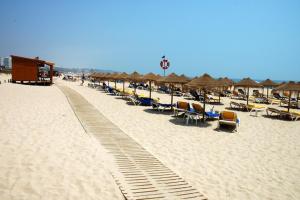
164, 64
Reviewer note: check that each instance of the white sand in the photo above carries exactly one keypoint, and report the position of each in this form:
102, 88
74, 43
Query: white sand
260, 161
44, 152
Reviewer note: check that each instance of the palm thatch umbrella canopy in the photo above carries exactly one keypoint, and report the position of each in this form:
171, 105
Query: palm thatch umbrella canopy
109, 77
135, 77
223, 84
226, 81
150, 77
114, 77
105, 77
185, 78
247, 83
203, 82
291, 87
92, 75
172, 79
123, 77
268, 83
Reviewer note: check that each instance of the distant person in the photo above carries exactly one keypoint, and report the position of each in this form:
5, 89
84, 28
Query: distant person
82, 79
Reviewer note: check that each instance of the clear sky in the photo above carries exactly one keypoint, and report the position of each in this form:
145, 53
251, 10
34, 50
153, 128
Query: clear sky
260, 39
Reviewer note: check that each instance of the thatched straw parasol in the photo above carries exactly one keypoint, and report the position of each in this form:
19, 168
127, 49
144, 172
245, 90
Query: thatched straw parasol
172, 79
123, 77
268, 84
135, 77
291, 87
92, 75
150, 77
203, 82
114, 77
247, 83
106, 77
185, 78
226, 81
110, 77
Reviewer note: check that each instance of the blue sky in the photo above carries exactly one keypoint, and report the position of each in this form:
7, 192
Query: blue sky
260, 39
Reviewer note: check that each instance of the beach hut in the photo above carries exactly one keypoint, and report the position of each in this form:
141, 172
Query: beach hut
204, 82
247, 83
31, 70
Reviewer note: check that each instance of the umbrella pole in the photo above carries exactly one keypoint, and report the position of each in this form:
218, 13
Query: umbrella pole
220, 96
267, 92
123, 86
107, 83
203, 114
134, 87
247, 95
171, 97
150, 88
290, 93
115, 84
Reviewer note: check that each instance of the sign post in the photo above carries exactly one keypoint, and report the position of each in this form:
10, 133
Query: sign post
164, 64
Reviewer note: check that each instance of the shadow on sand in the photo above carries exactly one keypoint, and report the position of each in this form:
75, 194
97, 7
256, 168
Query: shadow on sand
157, 112
180, 121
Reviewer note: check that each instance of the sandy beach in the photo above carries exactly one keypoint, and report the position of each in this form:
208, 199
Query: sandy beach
45, 153
261, 161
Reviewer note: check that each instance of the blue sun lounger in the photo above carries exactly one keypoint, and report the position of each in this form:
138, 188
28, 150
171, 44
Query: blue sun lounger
162, 106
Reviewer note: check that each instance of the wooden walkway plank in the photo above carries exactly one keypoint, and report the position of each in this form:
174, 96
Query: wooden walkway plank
140, 175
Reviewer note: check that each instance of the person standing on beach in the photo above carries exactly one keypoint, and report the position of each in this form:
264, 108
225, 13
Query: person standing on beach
82, 79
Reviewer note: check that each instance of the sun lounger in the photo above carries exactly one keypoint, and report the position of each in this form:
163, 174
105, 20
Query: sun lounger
262, 100
211, 99
285, 102
133, 99
145, 101
295, 115
236, 95
181, 107
245, 107
278, 96
228, 118
254, 108
282, 114
234, 105
194, 113
241, 91
211, 115
161, 106
187, 95
272, 111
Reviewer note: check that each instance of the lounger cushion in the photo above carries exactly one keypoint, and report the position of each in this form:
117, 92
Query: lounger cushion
232, 123
229, 116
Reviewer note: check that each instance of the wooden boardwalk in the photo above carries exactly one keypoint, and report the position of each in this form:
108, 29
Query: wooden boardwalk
140, 175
